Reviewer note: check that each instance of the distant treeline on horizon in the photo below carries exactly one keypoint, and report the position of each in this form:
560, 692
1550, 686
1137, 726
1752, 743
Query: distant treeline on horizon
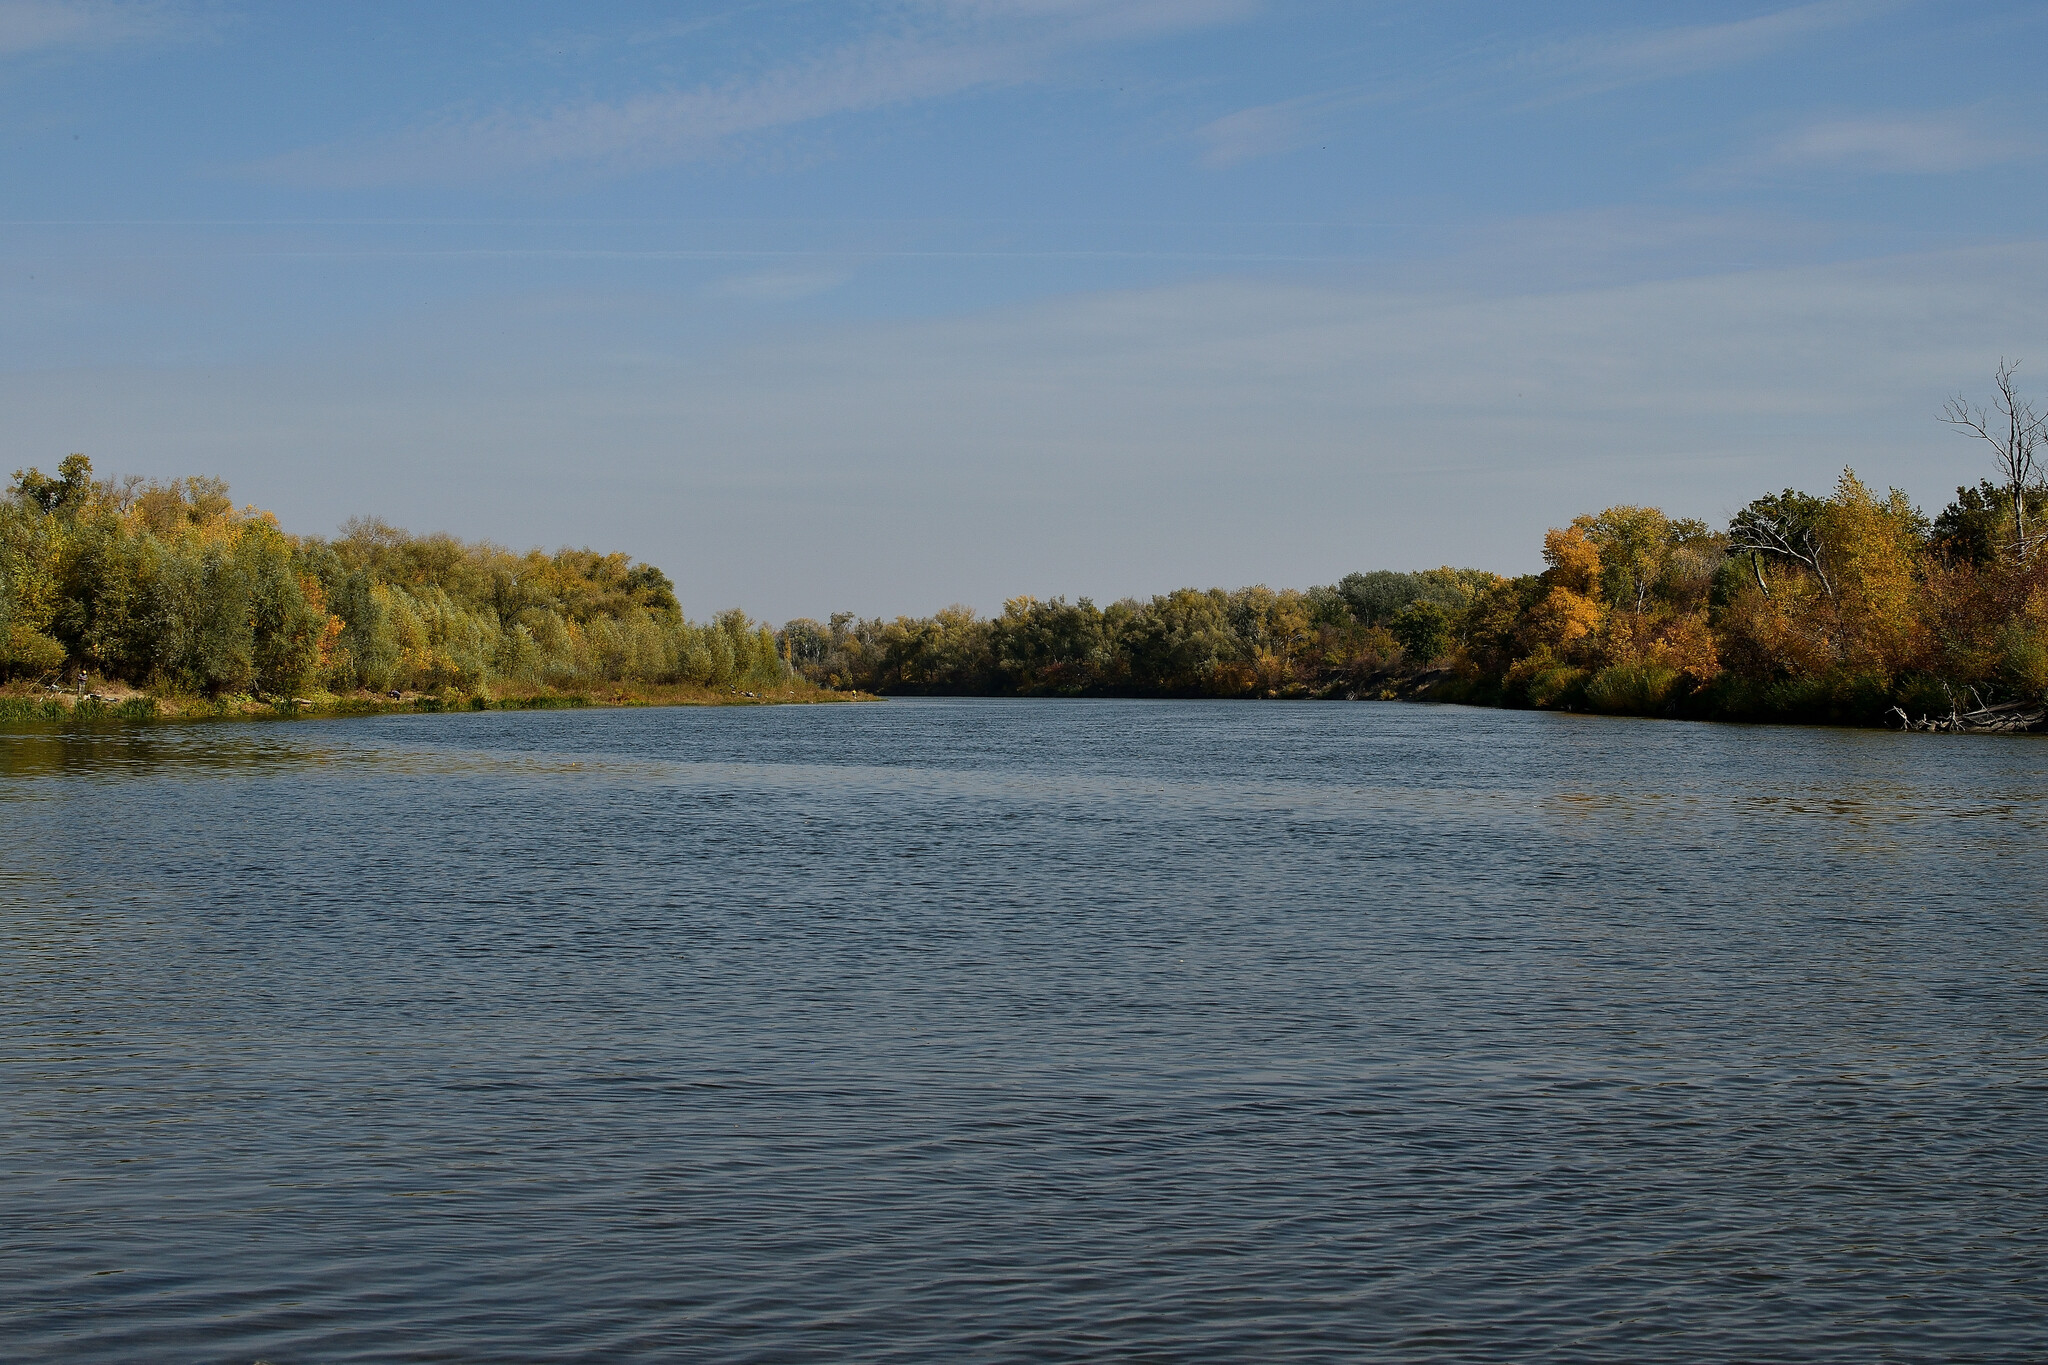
1803, 607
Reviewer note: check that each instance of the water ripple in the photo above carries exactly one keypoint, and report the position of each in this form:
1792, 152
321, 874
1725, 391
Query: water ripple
1022, 1031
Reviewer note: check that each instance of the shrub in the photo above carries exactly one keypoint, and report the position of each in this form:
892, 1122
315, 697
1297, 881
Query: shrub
2024, 658
31, 709
1559, 685
1633, 689
30, 654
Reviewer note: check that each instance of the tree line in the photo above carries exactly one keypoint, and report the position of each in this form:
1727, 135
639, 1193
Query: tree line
166, 584
1188, 643
1838, 606
1830, 607
1803, 607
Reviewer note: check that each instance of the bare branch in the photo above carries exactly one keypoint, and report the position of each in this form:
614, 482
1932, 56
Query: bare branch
2015, 432
1760, 533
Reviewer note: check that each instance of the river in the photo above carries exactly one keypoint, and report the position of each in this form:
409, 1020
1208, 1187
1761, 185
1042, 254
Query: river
1022, 1030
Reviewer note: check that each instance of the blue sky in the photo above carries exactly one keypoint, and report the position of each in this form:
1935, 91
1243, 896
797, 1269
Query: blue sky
884, 306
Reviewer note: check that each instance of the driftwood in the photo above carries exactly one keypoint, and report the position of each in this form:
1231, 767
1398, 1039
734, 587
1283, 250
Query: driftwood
2007, 718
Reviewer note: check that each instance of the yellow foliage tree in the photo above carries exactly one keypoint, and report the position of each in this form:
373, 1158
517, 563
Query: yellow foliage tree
1876, 553
1573, 558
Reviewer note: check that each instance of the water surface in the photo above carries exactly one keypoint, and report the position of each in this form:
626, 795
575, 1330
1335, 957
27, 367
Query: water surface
1021, 1031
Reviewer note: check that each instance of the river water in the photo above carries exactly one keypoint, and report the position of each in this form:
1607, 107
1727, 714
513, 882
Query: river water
996, 1030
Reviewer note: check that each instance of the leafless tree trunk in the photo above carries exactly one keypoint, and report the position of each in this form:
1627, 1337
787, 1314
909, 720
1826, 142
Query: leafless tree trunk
2014, 431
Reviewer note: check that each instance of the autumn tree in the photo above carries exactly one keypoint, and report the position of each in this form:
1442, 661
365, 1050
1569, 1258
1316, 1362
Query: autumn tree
1782, 529
1875, 544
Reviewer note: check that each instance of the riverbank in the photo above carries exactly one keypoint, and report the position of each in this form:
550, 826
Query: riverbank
117, 702
1787, 705
1837, 702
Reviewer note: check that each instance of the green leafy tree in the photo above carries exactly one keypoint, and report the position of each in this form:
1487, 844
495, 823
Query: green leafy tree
63, 495
1976, 527
1423, 630
1782, 529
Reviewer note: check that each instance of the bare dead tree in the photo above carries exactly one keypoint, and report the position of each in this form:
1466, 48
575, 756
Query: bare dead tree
2015, 432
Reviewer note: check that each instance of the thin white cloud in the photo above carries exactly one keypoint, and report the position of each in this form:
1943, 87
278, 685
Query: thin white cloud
1264, 130
1105, 21
1215, 432
1270, 129
1567, 69
1919, 144
38, 25
777, 286
965, 45
1609, 61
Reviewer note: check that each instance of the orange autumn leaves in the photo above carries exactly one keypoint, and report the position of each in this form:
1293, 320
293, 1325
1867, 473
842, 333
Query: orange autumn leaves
1863, 612
1627, 589
1857, 605
1803, 608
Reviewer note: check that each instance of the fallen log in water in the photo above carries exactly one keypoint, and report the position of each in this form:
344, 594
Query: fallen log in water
2007, 718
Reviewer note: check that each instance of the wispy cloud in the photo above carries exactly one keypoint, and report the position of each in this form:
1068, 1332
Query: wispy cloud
38, 25
908, 463
1608, 61
1571, 68
658, 128
951, 47
1913, 144
777, 286
1270, 129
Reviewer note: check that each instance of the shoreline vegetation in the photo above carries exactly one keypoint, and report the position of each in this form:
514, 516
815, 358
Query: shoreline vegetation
133, 599
1849, 609
114, 702
1853, 608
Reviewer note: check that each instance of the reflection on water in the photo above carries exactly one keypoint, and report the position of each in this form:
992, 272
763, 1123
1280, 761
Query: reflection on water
122, 753
1022, 1030
119, 755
